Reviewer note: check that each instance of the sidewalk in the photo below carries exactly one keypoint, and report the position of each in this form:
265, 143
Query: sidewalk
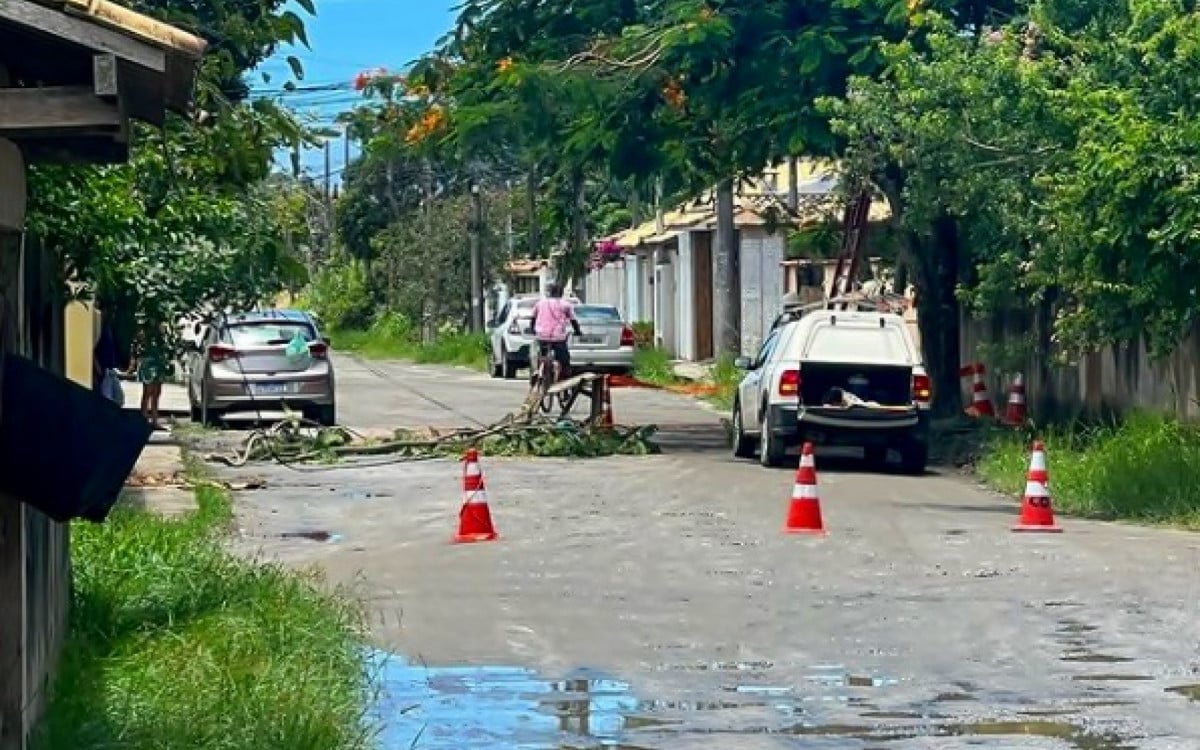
157, 483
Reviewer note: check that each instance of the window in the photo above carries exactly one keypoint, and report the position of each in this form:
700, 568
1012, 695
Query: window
527, 285
858, 343
266, 333
597, 313
768, 346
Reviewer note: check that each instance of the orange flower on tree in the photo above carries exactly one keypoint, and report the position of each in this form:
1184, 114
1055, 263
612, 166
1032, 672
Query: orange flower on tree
505, 65
674, 95
706, 13
430, 122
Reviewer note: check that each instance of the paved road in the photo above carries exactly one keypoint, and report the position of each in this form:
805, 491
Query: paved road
652, 602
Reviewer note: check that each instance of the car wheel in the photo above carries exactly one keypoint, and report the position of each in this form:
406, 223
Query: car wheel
326, 416
914, 458
493, 366
209, 417
770, 450
743, 446
508, 367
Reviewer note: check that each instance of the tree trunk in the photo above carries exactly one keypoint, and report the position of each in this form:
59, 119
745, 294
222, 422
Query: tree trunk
578, 254
793, 200
727, 299
937, 271
476, 258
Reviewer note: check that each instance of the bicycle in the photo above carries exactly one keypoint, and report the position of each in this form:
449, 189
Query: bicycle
545, 376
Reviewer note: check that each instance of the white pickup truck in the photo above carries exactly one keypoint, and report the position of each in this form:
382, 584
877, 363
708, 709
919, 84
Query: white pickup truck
835, 377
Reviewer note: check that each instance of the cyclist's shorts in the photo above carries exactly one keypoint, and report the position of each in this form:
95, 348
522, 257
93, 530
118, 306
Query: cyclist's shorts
562, 354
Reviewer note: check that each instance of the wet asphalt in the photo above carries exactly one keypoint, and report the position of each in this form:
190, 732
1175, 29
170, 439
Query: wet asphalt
653, 602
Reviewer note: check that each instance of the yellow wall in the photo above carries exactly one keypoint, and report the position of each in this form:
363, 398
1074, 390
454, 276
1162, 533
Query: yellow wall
82, 323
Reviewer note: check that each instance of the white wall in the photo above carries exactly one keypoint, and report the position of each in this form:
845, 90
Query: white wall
685, 298
664, 304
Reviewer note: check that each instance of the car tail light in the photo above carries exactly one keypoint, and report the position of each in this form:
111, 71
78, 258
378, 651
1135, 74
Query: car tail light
789, 383
220, 352
514, 328
627, 338
922, 389
318, 349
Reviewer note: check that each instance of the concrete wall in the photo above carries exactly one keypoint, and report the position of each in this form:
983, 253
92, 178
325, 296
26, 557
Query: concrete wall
82, 327
762, 284
685, 299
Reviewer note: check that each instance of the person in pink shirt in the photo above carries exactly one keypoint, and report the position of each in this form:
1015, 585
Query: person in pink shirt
552, 315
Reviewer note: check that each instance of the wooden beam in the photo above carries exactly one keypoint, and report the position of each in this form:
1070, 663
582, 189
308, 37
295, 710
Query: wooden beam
13, 656
58, 109
83, 32
81, 149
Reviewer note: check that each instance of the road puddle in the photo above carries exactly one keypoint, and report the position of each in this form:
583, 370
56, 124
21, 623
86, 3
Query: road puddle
514, 708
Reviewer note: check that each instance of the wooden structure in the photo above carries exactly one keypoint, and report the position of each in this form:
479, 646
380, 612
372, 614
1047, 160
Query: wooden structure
73, 74
560, 398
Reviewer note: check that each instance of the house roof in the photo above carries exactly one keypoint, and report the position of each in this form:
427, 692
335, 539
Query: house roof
133, 24
525, 265
755, 200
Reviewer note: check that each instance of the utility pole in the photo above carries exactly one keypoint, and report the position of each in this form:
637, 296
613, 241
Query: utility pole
345, 150
727, 302
327, 249
476, 257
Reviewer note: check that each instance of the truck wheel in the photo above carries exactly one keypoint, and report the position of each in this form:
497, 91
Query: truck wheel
743, 445
876, 456
770, 450
914, 458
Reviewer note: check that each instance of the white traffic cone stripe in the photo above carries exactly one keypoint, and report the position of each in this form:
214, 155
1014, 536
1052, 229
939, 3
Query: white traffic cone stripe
804, 492
806, 461
1036, 489
1037, 462
478, 497
473, 470
1016, 398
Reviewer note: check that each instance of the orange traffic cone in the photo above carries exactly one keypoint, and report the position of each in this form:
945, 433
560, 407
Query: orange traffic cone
804, 513
981, 402
1014, 412
1037, 513
474, 519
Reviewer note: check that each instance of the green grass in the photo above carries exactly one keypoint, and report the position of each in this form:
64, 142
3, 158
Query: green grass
1146, 469
391, 338
726, 378
176, 643
653, 366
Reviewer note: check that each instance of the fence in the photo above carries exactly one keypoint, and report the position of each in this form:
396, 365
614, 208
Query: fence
1116, 379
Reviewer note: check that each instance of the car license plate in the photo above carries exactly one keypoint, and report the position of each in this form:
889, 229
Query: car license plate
591, 339
268, 389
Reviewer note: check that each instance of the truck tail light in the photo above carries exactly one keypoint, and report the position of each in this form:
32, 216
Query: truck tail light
221, 353
318, 349
627, 338
789, 383
514, 328
922, 389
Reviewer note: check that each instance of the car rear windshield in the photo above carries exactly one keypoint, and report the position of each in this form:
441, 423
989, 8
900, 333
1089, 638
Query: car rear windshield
597, 313
267, 333
858, 344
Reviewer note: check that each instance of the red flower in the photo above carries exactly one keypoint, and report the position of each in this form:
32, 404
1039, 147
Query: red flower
360, 81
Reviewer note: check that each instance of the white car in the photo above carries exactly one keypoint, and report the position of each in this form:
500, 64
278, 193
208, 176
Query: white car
607, 342
835, 377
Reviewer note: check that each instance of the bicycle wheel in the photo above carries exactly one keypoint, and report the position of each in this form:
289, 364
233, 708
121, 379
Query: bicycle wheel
545, 381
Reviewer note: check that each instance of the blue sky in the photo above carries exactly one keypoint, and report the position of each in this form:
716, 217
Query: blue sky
348, 36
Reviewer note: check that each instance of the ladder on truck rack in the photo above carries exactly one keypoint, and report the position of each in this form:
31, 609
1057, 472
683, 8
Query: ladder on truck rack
854, 230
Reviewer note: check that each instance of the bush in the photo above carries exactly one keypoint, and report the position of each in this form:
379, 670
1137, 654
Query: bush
341, 295
643, 334
653, 365
1144, 469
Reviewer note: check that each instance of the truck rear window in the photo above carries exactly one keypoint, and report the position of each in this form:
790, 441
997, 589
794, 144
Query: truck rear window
842, 343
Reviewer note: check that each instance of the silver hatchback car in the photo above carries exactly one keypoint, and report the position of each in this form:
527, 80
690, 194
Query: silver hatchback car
243, 364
